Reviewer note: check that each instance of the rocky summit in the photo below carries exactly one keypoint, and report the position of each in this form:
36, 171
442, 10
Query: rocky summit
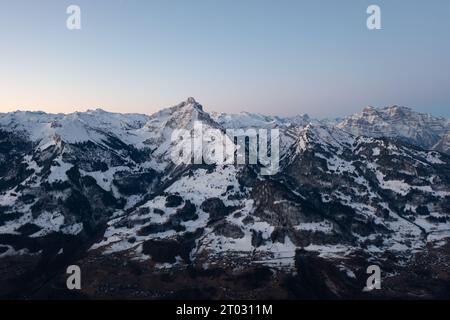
99, 190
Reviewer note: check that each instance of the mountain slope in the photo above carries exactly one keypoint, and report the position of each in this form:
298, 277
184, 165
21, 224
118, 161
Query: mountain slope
90, 187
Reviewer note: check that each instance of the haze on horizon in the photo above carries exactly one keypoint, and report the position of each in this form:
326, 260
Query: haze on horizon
272, 57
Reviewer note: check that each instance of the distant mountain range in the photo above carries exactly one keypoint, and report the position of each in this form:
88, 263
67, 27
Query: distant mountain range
424, 130
99, 189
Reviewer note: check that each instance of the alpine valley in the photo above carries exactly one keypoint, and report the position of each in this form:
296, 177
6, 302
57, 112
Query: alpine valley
99, 190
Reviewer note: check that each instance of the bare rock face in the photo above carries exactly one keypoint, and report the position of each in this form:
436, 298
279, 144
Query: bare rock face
443, 144
317, 278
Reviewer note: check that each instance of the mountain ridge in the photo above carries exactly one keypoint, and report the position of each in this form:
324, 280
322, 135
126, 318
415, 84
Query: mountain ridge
107, 181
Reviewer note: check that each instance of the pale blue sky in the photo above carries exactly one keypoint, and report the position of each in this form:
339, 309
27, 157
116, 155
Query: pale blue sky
276, 57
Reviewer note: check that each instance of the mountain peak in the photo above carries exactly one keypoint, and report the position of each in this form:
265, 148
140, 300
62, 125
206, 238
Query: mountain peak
98, 110
388, 109
190, 103
398, 109
397, 121
368, 109
191, 100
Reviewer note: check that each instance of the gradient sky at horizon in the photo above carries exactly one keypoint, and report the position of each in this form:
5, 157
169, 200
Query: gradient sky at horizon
274, 57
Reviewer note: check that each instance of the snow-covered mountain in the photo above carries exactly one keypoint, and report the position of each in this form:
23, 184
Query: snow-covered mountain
252, 120
99, 189
400, 122
288, 126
